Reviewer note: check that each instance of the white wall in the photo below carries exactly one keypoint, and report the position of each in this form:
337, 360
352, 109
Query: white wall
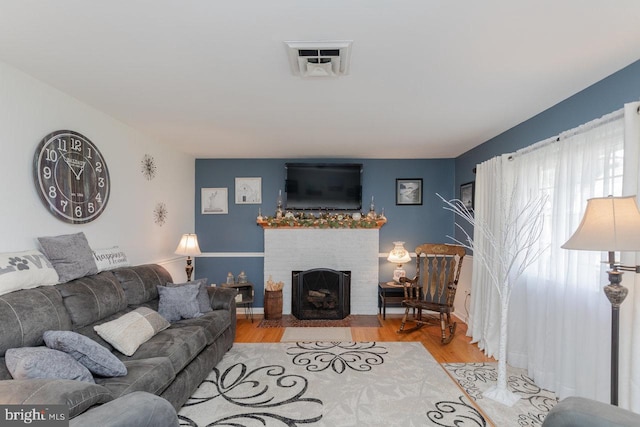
29, 110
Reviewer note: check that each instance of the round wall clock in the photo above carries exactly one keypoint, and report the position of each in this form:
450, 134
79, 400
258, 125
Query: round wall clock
71, 177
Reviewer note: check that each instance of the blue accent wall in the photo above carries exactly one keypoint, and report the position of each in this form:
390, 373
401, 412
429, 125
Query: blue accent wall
603, 97
238, 233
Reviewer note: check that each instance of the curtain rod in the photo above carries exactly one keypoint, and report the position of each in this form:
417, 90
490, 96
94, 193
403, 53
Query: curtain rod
571, 132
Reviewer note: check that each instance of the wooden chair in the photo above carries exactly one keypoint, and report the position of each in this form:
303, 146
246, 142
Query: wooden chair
434, 287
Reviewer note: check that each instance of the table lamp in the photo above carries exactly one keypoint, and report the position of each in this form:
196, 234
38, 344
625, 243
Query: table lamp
399, 256
188, 246
610, 224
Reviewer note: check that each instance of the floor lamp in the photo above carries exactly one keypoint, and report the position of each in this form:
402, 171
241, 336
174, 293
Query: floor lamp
611, 224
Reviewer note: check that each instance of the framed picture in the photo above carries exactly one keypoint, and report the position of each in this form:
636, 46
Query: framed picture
409, 191
248, 191
467, 195
214, 201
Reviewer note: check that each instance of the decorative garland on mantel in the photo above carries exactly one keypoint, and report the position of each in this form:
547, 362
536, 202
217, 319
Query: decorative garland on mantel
324, 220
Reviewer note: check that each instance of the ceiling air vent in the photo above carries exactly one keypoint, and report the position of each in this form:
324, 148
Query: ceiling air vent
319, 59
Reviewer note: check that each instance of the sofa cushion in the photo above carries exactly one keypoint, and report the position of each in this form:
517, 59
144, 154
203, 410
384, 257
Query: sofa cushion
204, 305
179, 302
179, 345
25, 315
93, 298
140, 283
42, 362
130, 330
152, 374
213, 324
90, 354
77, 395
25, 270
110, 258
70, 255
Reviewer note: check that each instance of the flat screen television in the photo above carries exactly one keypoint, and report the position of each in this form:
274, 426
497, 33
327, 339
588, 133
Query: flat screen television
323, 186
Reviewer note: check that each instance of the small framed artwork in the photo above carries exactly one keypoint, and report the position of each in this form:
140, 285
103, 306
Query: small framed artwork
467, 195
408, 191
248, 191
214, 201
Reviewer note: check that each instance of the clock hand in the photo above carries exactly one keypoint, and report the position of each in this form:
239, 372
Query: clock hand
76, 166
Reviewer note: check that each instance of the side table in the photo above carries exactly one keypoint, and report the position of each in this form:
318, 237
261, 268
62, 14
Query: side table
244, 297
389, 295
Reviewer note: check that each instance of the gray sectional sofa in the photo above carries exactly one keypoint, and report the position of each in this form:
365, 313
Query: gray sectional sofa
171, 364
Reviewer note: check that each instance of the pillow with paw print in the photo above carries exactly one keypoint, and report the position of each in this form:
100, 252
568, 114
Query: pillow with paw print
25, 270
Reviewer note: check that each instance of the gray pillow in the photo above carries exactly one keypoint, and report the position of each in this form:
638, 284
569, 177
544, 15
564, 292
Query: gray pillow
179, 302
89, 353
42, 362
204, 303
70, 255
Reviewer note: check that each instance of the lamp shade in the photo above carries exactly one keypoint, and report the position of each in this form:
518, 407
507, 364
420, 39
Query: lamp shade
398, 254
188, 245
609, 224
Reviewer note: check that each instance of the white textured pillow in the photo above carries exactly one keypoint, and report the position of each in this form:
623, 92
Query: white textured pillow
25, 270
131, 330
110, 258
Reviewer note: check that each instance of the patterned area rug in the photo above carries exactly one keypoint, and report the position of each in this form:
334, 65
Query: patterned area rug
354, 320
329, 384
533, 406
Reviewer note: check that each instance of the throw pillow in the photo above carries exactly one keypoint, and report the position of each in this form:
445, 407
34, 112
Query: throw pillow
25, 270
89, 353
70, 255
131, 330
179, 302
41, 362
204, 304
110, 258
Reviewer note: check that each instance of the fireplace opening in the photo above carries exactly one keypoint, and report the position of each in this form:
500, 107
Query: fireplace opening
321, 293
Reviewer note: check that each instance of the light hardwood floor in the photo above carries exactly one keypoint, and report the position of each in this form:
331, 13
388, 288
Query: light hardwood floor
458, 351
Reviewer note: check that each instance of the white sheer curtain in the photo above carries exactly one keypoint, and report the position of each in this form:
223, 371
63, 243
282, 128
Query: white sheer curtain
559, 322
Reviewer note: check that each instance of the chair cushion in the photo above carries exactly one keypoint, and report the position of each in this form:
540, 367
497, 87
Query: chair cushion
42, 362
89, 353
130, 330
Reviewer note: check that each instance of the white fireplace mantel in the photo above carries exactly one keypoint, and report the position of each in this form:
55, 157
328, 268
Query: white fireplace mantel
300, 249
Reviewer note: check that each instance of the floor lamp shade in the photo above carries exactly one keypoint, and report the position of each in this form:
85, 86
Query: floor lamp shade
610, 224
188, 246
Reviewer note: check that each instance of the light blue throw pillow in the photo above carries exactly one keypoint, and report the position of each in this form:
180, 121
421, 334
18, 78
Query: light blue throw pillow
41, 362
89, 353
204, 303
180, 302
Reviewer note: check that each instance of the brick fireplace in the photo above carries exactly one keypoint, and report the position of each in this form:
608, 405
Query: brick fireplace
298, 249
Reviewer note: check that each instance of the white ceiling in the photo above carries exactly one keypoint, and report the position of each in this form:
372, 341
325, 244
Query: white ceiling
428, 78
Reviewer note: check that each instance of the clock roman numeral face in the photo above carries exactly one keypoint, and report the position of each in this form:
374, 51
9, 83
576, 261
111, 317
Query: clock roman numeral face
71, 177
